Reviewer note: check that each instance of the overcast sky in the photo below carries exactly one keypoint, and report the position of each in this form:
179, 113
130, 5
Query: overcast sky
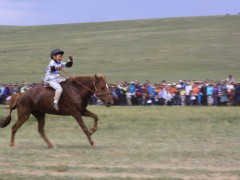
43, 12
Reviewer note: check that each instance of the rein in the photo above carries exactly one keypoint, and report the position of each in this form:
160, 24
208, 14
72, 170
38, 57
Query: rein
97, 92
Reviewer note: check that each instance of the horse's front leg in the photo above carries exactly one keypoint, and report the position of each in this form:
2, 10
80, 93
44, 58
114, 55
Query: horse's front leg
88, 113
80, 121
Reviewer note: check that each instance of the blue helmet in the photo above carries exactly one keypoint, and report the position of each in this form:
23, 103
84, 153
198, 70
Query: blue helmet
56, 51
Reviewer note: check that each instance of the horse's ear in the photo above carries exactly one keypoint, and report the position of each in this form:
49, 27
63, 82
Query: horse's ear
96, 77
101, 75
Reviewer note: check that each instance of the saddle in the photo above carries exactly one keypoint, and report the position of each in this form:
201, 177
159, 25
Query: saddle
48, 86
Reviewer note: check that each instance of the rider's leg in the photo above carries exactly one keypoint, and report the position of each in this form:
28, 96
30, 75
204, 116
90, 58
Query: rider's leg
58, 92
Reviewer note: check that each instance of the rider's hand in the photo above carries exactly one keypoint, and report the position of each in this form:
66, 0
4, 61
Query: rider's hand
70, 58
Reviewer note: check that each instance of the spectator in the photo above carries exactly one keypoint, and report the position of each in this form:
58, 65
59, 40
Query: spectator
132, 90
152, 94
230, 90
93, 100
183, 96
223, 94
6, 91
144, 95
215, 94
167, 96
1, 93
121, 93
199, 98
200, 94
150, 89
139, 94
172, 89
188, 90
160, 94
16, 89
23, 87
209, 94
195, 93
1, 89
204, 93
114, 94
230, 79
237, 94
129, 98
177, 99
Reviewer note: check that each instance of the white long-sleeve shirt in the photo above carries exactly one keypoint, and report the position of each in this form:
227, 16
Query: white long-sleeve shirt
52, 74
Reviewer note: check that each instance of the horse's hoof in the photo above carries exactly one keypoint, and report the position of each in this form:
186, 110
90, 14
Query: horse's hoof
12, 145
51, 146
93, 144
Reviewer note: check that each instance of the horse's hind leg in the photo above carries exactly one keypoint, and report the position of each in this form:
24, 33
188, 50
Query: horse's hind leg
41, 123
88, 113
22, 118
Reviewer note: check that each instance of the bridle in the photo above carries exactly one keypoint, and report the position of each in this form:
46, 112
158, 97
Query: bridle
96, 91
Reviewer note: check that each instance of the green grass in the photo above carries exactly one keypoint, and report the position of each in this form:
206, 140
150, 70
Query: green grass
132, 143
155, 49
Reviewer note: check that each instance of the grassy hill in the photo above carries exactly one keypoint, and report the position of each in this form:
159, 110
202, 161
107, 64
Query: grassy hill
155, 49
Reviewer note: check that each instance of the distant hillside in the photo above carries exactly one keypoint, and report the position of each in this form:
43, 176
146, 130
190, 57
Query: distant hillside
155, 49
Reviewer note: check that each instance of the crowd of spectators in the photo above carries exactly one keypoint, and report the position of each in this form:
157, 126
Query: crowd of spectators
6, 90
180, 93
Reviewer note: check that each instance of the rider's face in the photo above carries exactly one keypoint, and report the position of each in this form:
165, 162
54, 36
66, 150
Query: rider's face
58, 57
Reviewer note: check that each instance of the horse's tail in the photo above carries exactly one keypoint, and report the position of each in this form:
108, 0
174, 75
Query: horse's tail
4, 123
12, 106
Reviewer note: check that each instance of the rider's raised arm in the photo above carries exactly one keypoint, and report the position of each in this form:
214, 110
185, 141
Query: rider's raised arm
69, 63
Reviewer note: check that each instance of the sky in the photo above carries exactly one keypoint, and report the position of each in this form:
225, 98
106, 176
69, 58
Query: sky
45, 12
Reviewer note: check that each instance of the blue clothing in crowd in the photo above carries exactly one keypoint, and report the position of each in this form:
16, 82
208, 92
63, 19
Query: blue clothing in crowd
209, 90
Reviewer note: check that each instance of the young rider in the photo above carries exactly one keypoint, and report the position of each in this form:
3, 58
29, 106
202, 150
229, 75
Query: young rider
52, 77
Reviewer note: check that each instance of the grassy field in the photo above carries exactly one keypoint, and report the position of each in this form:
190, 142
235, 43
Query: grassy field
155, 49
132, 143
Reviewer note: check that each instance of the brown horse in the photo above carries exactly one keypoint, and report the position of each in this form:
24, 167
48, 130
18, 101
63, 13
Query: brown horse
73, 102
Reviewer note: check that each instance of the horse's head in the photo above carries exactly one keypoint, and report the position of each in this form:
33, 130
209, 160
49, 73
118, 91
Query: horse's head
102, 91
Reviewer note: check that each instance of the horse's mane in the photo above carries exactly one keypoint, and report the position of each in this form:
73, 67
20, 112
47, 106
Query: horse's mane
82, 78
